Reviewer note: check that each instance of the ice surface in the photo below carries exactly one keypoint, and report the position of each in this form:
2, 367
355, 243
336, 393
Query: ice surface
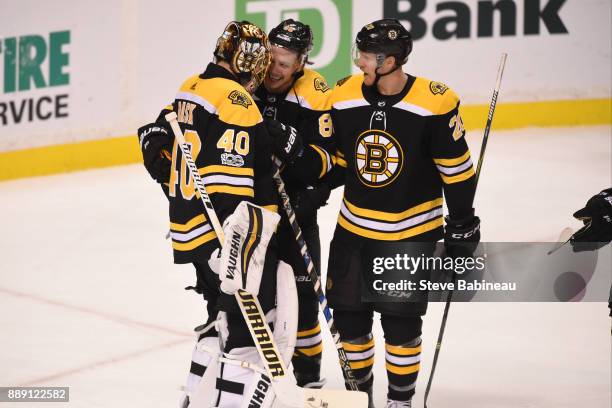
89, 297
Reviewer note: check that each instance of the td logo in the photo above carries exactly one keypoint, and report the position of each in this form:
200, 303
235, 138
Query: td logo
330, 21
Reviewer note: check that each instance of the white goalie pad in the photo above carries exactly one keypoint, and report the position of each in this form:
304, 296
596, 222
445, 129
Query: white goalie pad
286, 319
247, 234
241, 369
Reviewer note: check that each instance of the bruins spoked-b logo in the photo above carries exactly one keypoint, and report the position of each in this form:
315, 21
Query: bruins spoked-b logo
239, 98
378, 157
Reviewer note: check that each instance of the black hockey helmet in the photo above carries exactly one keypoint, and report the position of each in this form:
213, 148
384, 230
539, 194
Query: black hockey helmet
293, 35
245, 47
387, 37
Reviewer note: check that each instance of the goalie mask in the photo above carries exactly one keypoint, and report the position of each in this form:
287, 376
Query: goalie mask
385, 38
245, 47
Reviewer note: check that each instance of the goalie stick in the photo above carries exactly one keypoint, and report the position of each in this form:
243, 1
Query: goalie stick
314, 276
287, 393
485, 138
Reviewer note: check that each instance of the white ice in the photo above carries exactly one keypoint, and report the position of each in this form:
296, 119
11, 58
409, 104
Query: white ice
90, 299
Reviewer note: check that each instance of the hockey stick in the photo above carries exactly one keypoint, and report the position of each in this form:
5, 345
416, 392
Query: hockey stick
286, 391
314, 276
500, 73
563, 239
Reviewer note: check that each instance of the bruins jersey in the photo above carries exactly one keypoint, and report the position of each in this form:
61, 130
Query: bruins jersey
306, 107
230, 147
400, 154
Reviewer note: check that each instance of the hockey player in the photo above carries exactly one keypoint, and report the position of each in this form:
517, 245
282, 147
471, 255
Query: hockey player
597, 231
295, 96
232, 150
400, 142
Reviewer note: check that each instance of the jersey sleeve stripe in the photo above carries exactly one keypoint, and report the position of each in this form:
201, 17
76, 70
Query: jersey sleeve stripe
452, 161
188, 246
189, 225
459, 177
449, 171
340, 161
326, 161
188, 236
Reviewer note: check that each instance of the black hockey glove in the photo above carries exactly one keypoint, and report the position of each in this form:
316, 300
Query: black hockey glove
597, 219
461, 237
309, 200
287, 143
156, 145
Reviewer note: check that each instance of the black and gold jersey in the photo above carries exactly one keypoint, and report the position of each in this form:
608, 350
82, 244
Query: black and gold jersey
305, 106
401, 153
230, 147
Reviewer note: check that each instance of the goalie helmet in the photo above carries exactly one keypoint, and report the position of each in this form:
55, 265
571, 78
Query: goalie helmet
293, 35
245, 47
386, 37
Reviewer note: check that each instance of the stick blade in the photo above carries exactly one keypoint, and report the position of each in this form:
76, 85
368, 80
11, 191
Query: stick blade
292, 396
564, 237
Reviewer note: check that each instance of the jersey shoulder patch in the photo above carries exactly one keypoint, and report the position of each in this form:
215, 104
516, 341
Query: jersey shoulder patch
312, 91
433, 97
222, 97
349, 89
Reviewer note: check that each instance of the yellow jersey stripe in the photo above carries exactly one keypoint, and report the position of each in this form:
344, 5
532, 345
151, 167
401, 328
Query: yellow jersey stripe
271, 207
189, 225
358, 347
390, 236
393, 217
311, 351
453, 162
403, 370
362, 364
340, 161
323, 159
310, 332
227, 189
459, 177
188, 246
403, 351
217, 168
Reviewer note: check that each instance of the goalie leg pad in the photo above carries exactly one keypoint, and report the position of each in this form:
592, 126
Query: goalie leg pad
203, 365
247, 234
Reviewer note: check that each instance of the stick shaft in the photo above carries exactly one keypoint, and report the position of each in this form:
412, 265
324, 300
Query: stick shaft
500, 73
315, 278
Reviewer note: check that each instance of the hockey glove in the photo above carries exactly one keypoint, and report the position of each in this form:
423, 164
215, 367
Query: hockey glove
461, 237
308, 200
597, 219
156, 145
287, 143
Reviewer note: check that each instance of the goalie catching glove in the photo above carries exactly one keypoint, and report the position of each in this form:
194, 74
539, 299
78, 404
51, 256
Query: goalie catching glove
240, 262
